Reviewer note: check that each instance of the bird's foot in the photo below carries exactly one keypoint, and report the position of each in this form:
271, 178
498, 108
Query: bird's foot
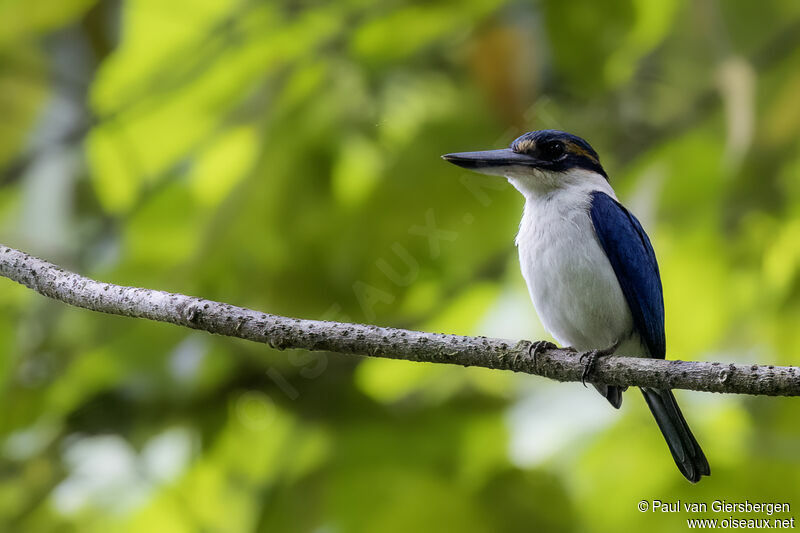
591, 358
537, 347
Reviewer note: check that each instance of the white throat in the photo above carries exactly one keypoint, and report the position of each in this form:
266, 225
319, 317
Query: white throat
542, 183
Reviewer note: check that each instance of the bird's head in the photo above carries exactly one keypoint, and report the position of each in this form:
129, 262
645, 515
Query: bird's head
539, 161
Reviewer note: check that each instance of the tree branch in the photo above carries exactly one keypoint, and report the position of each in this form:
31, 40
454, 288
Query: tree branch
357, 339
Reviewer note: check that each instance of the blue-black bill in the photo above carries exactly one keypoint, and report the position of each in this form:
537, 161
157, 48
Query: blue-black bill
490, 159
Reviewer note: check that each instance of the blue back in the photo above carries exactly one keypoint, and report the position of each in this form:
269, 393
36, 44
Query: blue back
629, 251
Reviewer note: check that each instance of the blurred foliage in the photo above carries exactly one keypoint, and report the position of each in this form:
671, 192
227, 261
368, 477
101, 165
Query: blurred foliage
285, 156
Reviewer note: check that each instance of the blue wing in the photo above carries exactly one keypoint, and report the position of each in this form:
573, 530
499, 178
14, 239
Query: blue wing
628, 249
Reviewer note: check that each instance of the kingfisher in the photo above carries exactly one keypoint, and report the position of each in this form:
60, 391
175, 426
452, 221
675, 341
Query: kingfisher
591, 271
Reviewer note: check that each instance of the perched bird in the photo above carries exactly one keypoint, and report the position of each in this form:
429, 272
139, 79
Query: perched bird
590, 268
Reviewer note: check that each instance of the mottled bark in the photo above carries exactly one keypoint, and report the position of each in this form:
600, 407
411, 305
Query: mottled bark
358, 339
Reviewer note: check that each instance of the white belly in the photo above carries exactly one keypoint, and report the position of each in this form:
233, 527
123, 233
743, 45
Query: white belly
570, 280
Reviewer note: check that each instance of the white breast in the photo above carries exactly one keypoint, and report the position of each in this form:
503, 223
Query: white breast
570, 280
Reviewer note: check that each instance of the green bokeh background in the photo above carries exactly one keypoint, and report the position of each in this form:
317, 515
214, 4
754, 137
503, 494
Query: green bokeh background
284, 156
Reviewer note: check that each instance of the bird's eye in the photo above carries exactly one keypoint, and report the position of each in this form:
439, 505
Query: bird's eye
552, 150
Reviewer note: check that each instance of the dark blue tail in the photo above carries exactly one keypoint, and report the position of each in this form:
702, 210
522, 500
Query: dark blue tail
688, 456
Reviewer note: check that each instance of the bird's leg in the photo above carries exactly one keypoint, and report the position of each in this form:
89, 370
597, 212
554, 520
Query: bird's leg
537, 347
591, 359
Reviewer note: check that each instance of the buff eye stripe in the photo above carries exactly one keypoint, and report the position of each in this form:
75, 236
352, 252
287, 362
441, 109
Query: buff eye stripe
527, 146
579, 150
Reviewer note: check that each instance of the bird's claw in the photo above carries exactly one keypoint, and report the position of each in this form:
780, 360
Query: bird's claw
591, 360
537, 347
